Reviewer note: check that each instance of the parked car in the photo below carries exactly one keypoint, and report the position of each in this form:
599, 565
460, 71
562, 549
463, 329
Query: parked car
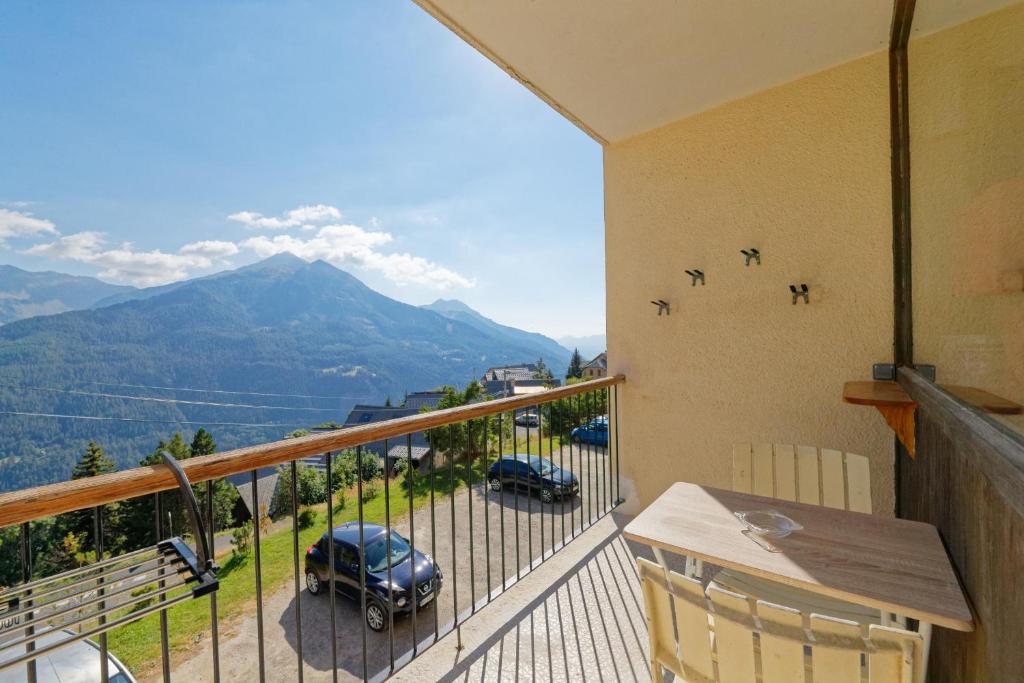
347, 571
532, 473
78, 662
527, 420
594, 432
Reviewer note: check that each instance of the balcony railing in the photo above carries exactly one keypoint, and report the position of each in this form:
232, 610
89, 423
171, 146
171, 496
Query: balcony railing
489, 537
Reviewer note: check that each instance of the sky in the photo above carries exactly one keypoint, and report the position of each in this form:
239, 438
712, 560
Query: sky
145, 142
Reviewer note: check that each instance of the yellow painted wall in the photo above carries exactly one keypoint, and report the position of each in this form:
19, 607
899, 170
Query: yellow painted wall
967, 202
802, 173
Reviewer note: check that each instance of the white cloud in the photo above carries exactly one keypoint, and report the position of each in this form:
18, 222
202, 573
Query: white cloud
212, 248
125, 264
22, 224
351, 245
306, 216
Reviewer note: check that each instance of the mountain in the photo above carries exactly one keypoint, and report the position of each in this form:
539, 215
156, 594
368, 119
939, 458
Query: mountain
312, 340
589, 346
551, 351
24, 294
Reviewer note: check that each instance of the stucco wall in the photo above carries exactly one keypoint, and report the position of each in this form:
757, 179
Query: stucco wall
802, 173
967, 201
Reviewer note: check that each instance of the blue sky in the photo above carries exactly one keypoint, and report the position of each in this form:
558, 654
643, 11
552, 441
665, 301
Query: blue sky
144, 142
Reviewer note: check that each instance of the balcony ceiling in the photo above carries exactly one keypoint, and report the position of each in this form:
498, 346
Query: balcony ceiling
617, 68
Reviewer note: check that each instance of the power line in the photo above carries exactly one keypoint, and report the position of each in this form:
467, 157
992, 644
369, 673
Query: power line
141, 419
225, 391
156, 399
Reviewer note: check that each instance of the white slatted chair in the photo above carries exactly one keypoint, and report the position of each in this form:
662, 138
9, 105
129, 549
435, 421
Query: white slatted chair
727, 637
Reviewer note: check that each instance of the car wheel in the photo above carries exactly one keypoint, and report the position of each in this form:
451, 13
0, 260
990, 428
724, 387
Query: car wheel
547, 496
496, 485
376, 618
313, 583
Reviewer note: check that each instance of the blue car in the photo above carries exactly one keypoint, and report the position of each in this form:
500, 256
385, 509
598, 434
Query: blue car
347, 576
533, 474
594, 432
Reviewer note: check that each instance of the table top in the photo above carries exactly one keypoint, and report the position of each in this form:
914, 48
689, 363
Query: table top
895, 565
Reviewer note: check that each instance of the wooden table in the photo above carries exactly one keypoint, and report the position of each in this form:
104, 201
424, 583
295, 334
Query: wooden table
895, 565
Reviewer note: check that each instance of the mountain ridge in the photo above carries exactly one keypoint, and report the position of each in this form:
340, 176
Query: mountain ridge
26, 293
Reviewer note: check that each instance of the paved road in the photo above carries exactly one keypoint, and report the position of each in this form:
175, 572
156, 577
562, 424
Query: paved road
474, 521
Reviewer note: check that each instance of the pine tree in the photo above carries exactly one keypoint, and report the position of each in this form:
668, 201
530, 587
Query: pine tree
575, 365
203, 443
81, 524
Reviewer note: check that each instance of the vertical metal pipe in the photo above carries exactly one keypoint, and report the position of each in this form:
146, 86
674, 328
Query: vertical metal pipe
561, 458
387, 547
433, 530
295, 566
258, 518
618, 462
97, 527
591, 449
451, 492
573, 419
551, 457
515, 488
412, 538
487, 507
469, 497
501, 494
165, 651
529, 497
362, 550
540, 455
331, 569
26, 576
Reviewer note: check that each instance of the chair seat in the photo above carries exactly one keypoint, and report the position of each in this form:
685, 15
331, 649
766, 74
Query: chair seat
797, 598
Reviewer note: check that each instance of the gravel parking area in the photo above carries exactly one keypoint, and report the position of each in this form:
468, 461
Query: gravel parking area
488, 527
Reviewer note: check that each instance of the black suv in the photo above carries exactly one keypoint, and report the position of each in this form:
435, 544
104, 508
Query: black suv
533, 473
346, 571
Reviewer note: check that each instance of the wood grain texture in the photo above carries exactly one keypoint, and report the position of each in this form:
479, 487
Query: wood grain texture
984, 400
896, 407
26, 505
891, 564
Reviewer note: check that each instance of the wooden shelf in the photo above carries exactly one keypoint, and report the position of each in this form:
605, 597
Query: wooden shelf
892, 402
898, 408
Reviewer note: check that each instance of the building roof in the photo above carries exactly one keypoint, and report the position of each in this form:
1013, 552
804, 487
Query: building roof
418, 399
399, 451
599, 361
520, 371
367, 414
266, 485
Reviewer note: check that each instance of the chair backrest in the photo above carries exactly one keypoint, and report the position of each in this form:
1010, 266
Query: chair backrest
728, 637
803, 473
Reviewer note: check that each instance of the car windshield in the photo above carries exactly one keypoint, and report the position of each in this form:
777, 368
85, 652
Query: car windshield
377, 552
542, 465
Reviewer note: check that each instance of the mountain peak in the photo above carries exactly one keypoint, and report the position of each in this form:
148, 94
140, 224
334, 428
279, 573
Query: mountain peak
285, 259
450, 305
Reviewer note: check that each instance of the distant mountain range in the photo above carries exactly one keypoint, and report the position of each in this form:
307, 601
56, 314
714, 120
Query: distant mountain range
589, 346
25, 294
309, 339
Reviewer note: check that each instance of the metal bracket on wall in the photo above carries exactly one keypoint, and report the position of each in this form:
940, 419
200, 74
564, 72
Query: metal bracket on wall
751, 255
696, 275
800, 293
662, 306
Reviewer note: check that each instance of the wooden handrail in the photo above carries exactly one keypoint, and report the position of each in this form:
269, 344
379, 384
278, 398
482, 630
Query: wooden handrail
26, 505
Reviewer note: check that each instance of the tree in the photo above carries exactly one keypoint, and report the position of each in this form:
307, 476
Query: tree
454, 439
387, 402
81, 523
310, 487
203, 443
542, 371
575, 365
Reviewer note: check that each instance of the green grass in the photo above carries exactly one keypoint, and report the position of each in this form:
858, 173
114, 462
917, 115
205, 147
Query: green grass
138, 644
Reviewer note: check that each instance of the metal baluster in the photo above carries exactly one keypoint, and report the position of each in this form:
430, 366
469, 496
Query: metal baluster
540, 455
487, 508
433, 533
330, 562
362, 550
557, 488
165, 654
501, 494
259, 576
598, 465
472, 562
412, 538
561, 458
26, 576
97, 527
590, 459
529, 498
573, 418
451, 492
387, 547
608, 453
618, 463
515, 482
295, 564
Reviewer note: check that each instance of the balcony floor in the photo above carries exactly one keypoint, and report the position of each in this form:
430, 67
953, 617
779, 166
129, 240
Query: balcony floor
579, 616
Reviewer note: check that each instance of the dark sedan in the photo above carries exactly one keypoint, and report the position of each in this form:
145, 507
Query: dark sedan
379, 599
532, 473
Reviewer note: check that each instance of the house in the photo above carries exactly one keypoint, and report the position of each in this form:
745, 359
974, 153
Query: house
368, 414
419, 399
509, 372
598, 367
266, 486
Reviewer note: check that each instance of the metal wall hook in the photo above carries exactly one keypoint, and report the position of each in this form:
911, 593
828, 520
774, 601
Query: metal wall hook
662, 306
749, 254
696, 275
800, 293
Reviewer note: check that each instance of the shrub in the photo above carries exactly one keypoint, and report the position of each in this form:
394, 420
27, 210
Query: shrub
241, 538
370, 491
307, 518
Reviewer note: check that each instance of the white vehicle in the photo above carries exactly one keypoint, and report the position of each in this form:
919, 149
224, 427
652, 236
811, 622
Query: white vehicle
78, 662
